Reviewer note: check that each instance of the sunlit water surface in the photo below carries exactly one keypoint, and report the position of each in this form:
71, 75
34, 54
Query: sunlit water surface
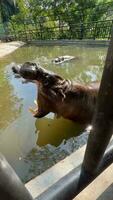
31, 146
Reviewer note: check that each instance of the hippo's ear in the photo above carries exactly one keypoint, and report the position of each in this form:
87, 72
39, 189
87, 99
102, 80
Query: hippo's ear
29, 65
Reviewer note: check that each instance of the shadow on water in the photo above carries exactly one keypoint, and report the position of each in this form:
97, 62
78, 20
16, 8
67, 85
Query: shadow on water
54, 131
57, 138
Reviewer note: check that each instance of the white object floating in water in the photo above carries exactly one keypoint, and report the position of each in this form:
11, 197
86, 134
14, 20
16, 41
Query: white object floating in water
62, 59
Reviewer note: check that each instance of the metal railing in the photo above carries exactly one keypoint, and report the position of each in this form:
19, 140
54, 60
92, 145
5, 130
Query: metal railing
78, 23
32, 31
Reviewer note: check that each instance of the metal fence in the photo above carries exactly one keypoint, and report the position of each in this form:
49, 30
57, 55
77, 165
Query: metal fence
30, 31
68, 25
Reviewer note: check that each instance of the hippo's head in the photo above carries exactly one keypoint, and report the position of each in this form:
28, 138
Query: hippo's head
28, 71
34, 72
47, 83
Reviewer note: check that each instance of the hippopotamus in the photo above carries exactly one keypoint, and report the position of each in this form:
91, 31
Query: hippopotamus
61, 96
61, 59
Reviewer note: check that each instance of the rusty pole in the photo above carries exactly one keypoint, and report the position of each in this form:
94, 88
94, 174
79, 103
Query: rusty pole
102, 121
11, 187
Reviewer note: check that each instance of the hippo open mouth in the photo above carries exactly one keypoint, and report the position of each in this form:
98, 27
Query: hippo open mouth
27, 71
60, 96
43, 79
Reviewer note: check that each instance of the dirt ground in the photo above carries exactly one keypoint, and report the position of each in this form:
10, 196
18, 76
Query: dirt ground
9, 47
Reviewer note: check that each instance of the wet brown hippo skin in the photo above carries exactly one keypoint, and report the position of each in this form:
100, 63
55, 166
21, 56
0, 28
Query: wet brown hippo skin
60, 96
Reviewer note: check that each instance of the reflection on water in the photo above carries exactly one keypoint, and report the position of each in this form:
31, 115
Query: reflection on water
30, 145
54, 131
10, 105
16, 141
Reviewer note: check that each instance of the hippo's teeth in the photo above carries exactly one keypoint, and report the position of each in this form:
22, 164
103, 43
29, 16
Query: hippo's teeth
35, 102
89, 128
33, 111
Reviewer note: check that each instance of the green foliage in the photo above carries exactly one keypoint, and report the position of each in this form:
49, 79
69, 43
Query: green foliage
47, 19
7, 9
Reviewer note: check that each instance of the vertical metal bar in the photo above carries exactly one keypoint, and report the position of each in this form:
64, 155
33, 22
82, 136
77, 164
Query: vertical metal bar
14, 32
103, 120
11, 188
81, 31
25, 31
95, 30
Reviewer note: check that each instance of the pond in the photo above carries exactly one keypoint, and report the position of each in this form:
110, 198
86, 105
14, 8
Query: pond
33, 145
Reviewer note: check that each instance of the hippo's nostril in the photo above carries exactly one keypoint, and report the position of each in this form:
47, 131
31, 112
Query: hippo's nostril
16, 69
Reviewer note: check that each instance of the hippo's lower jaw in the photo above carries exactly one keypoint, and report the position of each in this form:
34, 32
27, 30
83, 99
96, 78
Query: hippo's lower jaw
37, 112
33, 111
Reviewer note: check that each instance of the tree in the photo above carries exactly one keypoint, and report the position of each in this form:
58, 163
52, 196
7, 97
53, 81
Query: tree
7, 9
50, 17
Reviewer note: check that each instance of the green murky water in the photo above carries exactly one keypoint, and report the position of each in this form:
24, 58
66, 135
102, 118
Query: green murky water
31, 146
